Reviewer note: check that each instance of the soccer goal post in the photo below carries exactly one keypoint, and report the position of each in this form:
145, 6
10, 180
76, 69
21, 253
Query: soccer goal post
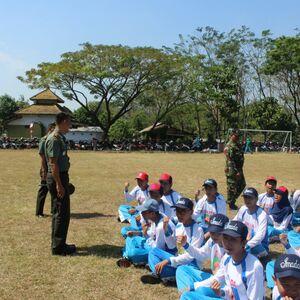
285, 137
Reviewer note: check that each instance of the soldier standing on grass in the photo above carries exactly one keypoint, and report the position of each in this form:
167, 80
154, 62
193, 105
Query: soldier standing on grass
43, 190
58, 184
234, 169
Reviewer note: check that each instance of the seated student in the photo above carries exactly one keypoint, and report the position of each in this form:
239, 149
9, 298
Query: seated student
187, 275
256, 219
156, 193
280, 215
240, 275
291, 243
287, 278
153, 235
163, 264
169, 195
139, 193
211, 203
266, 200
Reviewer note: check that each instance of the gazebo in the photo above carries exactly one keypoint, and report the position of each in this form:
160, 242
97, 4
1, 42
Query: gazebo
163, 131
33, 120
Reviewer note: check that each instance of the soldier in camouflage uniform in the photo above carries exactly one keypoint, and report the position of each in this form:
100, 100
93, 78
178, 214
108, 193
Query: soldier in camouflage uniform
43, 190
58, 184
234, 169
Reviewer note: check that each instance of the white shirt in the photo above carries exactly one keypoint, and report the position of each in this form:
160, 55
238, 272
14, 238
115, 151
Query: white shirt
244, 280
172, 197
156, 236
265, 201
205, 209
165, 208
257, 224
195, 237
208, 250
283, 225
275, 294
137, 194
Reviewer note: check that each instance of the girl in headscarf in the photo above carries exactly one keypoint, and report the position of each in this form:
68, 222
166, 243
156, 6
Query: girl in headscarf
280, 214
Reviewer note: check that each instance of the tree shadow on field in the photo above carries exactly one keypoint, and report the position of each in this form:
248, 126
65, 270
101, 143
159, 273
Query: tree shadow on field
105, 250
90, 215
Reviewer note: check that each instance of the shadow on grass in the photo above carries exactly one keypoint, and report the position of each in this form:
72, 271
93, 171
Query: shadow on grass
90, 215
104, 250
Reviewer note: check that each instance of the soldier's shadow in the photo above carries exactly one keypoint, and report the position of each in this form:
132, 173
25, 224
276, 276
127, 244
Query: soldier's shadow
104, 250
90, 215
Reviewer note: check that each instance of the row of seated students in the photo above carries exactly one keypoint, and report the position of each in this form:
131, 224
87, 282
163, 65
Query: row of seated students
173, 237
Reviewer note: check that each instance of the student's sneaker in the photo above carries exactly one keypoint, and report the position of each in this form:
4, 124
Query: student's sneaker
169, 281
150, 279
123, 263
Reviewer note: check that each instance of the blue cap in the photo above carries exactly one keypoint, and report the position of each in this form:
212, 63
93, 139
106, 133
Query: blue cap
236, 229
250, 192
149, 204
287, 265
210, 182
184, 203
217, 223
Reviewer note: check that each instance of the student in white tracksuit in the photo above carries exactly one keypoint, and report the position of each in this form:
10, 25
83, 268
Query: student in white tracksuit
256, 219
155, 192
187, 275
162, 264
287, 278
140, 193
240, 275
169, 195
153, 235
266, 200
211, 203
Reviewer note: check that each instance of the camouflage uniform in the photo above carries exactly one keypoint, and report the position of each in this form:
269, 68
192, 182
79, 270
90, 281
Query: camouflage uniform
234, 164
56, 147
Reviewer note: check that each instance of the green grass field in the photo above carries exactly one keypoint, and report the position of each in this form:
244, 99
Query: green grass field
27, 269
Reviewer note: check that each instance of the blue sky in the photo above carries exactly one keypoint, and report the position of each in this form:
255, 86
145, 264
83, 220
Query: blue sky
34, 31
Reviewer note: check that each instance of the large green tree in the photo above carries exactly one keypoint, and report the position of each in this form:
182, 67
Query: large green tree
268, 113
113, 76
8, 106
283, 63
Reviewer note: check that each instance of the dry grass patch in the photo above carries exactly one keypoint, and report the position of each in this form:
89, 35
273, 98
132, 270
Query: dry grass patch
28, 271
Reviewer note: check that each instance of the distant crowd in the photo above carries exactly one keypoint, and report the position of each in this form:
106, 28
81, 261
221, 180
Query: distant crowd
196, 145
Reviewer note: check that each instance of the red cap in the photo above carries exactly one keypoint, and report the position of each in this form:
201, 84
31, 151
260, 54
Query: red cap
154, 187
165, 177
281, 190
142, 176
271, 178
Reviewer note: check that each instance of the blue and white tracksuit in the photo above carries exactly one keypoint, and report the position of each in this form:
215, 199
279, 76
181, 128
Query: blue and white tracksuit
187, 275
257, 223
195, 237
137, 248
242, 280
136, 194
204, 210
